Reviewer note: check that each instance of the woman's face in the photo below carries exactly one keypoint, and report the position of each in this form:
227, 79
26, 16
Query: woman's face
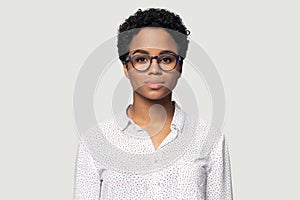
153, 84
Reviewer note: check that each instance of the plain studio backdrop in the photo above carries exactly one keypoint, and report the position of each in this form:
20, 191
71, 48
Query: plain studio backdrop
254, 45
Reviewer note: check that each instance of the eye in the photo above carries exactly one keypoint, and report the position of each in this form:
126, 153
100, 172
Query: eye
140, 59
166, 59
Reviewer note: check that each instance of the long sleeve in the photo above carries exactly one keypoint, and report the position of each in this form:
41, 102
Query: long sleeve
219, 184
87, 181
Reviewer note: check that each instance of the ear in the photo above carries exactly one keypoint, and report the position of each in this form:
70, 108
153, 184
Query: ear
125, 69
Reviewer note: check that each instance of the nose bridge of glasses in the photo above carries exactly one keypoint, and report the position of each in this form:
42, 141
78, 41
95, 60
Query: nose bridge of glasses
154, 65
154, 57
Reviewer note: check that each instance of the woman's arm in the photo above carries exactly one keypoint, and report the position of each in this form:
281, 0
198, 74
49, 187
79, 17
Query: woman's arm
219, 185
87, 182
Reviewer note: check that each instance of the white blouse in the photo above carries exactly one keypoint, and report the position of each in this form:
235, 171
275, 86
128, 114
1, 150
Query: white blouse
190, 177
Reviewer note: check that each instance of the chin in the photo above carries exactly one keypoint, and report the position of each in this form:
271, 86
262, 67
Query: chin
155, 95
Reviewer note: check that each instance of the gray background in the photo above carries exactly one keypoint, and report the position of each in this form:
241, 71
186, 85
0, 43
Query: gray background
254, 45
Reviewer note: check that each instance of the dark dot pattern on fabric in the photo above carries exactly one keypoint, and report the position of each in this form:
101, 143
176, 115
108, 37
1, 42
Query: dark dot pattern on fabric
190, 177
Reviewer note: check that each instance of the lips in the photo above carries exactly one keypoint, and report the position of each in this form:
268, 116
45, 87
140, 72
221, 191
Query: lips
154, 84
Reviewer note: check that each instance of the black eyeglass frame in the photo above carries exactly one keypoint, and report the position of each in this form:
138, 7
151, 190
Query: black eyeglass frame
178, 58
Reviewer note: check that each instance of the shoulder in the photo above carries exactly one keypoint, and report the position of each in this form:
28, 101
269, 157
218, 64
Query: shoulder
106, 126
206, 135
204, 127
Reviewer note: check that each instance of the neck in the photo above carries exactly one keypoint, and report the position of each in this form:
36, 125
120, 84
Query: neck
142, 108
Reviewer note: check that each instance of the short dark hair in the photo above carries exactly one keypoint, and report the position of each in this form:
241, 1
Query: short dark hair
152, 17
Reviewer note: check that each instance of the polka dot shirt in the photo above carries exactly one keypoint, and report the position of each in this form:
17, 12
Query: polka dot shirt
202, 172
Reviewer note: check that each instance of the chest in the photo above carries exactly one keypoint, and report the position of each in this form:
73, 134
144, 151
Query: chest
159, 137
185, 179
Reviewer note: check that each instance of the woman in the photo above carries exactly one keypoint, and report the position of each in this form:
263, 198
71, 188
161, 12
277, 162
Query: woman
152, 54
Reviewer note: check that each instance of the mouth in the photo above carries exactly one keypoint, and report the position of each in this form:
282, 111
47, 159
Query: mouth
154, 84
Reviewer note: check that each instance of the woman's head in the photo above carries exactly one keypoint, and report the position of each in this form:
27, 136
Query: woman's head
152, 45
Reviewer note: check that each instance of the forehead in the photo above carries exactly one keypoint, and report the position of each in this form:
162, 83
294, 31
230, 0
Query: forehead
153, 38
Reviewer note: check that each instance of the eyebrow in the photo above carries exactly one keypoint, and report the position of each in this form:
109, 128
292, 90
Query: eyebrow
146, 52
166, 51
140, 51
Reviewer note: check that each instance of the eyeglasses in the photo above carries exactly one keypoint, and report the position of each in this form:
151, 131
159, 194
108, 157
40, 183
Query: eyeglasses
142, 62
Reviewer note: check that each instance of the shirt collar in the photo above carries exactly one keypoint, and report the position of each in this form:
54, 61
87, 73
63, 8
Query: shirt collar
177, 122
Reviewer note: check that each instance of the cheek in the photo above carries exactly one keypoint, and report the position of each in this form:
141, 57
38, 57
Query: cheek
172, 82
136, 81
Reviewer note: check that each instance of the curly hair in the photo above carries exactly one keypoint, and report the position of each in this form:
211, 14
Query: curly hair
152, 17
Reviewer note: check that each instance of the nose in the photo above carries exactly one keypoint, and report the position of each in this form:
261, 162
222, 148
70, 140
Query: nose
154, 68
